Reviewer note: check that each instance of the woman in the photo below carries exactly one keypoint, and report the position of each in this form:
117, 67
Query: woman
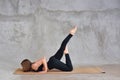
42, 66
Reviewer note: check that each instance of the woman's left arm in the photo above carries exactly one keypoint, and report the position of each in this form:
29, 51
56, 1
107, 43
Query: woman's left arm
45, 67
40, 62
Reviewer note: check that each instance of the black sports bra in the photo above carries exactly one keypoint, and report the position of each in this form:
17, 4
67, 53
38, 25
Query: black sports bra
39, 68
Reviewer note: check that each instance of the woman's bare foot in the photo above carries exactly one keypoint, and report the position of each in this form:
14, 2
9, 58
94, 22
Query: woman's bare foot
73, 31
66, 50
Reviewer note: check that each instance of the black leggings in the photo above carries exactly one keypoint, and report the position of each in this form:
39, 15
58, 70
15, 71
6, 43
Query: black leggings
54, 61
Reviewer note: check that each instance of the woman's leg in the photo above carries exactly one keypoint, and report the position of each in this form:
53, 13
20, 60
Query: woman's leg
58, 55
55, 63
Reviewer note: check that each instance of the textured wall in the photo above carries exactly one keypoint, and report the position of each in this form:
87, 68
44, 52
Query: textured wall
35, 28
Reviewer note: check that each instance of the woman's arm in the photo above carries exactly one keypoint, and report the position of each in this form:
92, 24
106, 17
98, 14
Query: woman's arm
45, 67
40, 62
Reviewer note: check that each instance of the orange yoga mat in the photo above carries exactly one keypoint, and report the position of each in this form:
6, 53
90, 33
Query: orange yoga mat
79, 70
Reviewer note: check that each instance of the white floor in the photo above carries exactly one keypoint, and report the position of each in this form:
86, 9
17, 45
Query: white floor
112, 73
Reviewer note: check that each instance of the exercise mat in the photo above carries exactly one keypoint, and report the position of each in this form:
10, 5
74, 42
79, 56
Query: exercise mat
78, 70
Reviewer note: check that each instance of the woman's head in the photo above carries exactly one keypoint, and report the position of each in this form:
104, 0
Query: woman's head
26, 65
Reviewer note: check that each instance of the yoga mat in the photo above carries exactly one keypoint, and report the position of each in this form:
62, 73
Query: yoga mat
79, 70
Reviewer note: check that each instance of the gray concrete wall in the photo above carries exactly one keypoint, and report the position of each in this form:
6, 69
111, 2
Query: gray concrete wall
35, 28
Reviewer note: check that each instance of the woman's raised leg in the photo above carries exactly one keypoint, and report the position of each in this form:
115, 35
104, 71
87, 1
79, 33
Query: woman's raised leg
58, 55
